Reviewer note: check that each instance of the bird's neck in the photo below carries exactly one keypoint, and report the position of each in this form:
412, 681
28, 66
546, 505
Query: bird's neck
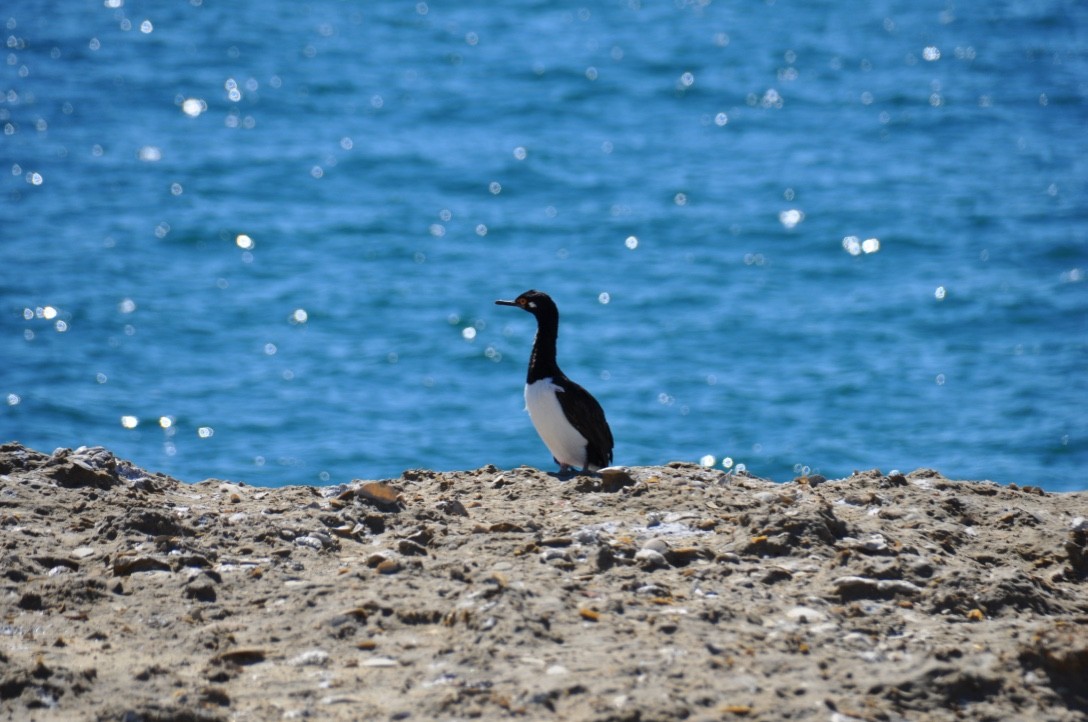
542, 363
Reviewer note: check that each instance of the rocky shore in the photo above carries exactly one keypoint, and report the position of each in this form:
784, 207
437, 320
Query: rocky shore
649, 593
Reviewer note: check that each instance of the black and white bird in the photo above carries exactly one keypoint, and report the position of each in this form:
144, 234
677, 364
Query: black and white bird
569, 420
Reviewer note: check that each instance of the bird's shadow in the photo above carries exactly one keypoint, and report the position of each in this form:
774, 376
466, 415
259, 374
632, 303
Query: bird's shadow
568, 475
594, 481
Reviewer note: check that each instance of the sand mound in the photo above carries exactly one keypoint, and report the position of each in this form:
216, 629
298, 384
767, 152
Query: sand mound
649, 593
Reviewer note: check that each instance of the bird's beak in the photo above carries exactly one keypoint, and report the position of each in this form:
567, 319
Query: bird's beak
506, 303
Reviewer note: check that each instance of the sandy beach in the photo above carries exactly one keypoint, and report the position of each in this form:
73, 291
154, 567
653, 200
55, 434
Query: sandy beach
647, 593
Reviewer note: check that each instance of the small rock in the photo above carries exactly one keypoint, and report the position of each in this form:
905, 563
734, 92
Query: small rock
590, 615
379, 662
586, 536
653, 590
504, 527
804, 615
658, 545
310, 658
124, 566
240, 656
411, 548
852, 587
614, 478
682, 556
874, 543
347, 531
81, 552
380, 494
895, 479
776, 574
650, 559
452, 507
310, 541
389, 566
557, 541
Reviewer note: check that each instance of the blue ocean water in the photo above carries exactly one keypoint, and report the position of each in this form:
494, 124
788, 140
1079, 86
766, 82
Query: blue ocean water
262, 240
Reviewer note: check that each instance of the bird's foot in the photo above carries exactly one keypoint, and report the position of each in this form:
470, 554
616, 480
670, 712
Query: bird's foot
566, 471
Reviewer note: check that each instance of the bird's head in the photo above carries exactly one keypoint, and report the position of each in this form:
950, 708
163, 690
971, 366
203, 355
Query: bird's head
537, 303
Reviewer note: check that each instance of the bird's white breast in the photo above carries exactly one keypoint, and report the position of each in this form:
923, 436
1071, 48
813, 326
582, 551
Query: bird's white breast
562, 439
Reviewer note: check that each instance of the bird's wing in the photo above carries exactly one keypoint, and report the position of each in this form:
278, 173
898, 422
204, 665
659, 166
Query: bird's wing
587, 416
